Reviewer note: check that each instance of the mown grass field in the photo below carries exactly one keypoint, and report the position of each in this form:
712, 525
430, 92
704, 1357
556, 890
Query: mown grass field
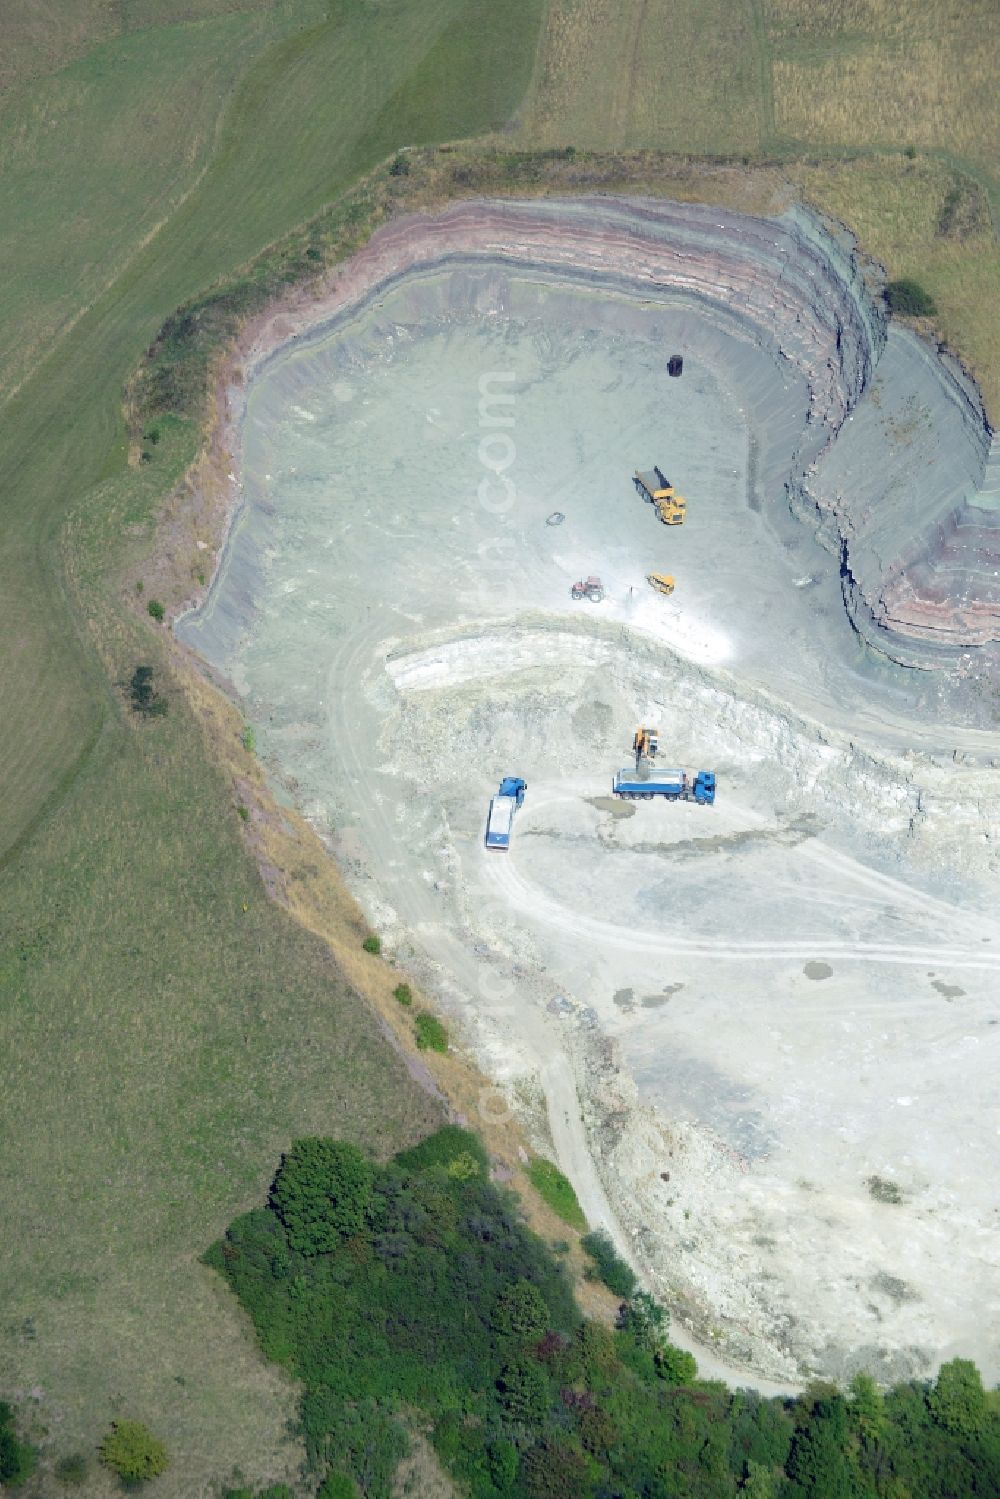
883, 115
165, 1028
94, 157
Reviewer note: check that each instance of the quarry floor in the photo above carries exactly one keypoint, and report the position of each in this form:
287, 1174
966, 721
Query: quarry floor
762, 1037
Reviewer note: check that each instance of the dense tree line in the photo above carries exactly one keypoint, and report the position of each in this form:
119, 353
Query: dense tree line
414, 1291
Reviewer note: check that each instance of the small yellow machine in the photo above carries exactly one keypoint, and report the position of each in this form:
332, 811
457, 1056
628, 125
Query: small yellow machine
662, 582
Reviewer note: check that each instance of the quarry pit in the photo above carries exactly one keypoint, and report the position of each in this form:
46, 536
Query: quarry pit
761, 1037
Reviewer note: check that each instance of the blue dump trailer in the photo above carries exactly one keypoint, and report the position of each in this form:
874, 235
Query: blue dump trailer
673, 784
502, 809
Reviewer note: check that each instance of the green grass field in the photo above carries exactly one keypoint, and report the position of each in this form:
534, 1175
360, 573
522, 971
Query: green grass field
165, 1027
95, 157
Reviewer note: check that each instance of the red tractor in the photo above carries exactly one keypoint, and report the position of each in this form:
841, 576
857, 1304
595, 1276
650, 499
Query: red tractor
589, 588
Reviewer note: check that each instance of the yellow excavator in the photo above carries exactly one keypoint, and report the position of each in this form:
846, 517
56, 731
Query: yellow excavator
645, 745
662, 582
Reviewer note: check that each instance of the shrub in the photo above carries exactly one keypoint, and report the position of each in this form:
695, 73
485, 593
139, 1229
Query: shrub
675, 1365
520, 1312
644, 1320
275, 1491
883, 1190
131, 1451
72, 1469
503, 1461
156, 610
17, 1459
249, 739
399, 167
372, 944
609, 1266
557, 1190
404, 994
909, 298
451, 1148
338, 1486
958, 1401
143, 695
524, 1392
321, 1192
554, 1470
431, 1034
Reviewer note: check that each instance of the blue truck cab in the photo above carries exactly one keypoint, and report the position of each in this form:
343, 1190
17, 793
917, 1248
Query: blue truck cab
703, 789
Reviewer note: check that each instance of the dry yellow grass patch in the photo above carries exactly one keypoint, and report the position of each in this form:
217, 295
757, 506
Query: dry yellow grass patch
682, 75
938, 92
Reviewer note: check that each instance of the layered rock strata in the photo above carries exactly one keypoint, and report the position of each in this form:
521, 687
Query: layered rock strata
893, 462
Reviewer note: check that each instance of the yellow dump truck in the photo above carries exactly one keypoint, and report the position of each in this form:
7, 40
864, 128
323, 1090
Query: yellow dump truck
657, 488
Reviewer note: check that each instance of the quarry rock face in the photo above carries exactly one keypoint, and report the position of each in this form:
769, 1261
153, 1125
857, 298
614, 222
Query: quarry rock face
894, 465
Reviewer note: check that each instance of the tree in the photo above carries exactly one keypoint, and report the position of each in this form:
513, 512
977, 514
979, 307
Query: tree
760, 1431
503, 1464
958, 1401
908, 297
321, 1193
143, 695
524, 1392
758, 1482
675, 1365
867, 1408
520, 1312
554, 1470
817, 1464
597, 1431
131, 1451
609, 1266
644, 1320
598, 1353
